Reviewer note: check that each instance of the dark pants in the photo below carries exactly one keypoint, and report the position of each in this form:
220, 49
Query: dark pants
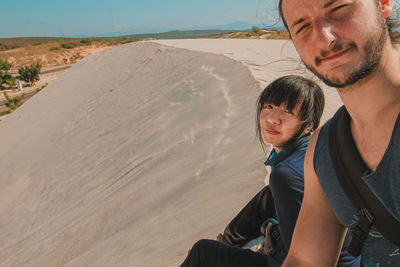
246, 225
211, 253
243, 228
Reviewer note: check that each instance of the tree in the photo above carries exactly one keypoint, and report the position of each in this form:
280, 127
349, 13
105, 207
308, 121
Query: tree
5, 76
30, 74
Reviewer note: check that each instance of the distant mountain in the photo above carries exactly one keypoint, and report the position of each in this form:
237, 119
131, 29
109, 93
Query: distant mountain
236, 26
181, 34
231, 26
11, 43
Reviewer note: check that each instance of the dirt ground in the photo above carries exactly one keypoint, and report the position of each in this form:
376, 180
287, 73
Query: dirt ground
50, 54
54, 60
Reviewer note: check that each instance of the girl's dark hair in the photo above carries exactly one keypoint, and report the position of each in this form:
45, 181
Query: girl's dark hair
291, 91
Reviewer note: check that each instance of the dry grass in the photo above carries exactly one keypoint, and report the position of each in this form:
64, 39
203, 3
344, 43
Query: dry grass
263, 34
50, 54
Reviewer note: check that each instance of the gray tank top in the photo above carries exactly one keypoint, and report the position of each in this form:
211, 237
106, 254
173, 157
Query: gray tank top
384, 182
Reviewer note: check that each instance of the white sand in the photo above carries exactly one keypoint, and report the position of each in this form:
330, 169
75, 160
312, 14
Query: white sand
266, 59
135, 153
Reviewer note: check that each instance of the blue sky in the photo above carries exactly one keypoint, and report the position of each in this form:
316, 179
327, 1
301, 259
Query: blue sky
21, 18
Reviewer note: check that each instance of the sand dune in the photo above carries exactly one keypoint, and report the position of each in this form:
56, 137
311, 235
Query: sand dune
134, 154
266, 60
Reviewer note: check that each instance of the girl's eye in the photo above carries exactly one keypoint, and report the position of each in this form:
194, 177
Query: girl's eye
268, 106
289, 111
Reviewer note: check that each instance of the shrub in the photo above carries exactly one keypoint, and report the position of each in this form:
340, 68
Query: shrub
30, 74
56, 48
3, 47
283, 35
75, 57
256, 30
41, 87
126, 39
5, 76
85, 42
5, 112
5, 65
14, 103
69, 45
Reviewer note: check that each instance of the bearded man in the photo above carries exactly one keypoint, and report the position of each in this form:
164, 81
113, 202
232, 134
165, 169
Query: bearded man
348, 44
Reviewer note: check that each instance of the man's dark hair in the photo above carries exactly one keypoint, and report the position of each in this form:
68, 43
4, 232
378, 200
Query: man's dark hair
390, 24
292, 90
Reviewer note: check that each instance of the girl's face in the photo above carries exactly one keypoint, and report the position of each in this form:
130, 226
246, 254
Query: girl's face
278, 125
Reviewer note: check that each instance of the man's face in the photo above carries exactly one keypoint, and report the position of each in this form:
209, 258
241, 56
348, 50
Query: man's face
340, 41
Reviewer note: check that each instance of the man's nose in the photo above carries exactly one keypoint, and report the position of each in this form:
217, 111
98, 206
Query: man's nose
325, 36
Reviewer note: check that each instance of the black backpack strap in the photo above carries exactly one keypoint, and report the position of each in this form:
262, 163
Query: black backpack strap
349, 168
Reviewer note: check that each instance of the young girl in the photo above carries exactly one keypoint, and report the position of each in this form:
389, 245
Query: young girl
288, 110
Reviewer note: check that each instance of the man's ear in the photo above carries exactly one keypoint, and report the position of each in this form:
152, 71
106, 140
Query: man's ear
386, 7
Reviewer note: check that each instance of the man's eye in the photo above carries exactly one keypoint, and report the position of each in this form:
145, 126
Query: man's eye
289, 111
333, 10
303, 27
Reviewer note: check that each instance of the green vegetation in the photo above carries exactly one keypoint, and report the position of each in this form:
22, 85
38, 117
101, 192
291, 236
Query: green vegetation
41, 87
30, 74
256, 30
13, 103
9, 43
282, 35
55, 48
178, 34
3, 47
69, 45
5, 113
85, 42
126, 39
74, 58
5, 76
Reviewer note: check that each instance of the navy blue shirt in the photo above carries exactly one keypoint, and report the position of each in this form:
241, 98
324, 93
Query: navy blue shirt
287, 186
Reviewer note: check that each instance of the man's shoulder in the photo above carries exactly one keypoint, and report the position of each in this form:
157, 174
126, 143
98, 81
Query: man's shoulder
320, 138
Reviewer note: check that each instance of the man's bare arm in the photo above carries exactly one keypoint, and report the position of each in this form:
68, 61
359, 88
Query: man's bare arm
318, 236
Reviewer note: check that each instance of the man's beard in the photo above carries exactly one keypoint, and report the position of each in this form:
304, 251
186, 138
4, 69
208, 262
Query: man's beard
373, 50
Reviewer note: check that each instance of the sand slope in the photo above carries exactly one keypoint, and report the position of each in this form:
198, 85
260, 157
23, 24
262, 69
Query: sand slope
266, 60
132, 155
127, 159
